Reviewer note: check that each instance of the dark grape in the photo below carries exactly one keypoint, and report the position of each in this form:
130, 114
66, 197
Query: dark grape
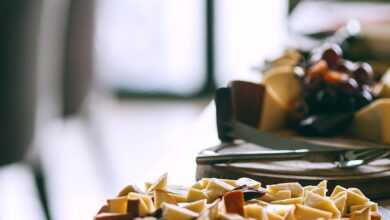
332, 55
363, 98
363, 74
349, 87
346, 66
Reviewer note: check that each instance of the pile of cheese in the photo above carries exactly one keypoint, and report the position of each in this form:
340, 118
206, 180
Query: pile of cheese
244, 198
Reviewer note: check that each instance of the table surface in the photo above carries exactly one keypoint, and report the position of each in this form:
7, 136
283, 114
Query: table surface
85, 163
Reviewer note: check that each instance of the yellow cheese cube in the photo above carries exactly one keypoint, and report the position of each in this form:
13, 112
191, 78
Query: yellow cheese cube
372, 122
340, 201
372, 205
146, 205
161, 183
129, 188
197, 185
281, 89
173, 212
308, 213
255, 211
297, 200
295, 188
316, 201
178, 197
118, 205
273, 216
355, 199
195, 194
363, 214
197, 206
161, 197
216, 188
337, 190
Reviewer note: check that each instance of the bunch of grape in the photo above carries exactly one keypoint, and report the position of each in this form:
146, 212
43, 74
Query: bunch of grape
332, 84
333, 89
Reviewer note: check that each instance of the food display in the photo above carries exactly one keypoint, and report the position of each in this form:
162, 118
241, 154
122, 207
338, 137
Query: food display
319, 93
244, 198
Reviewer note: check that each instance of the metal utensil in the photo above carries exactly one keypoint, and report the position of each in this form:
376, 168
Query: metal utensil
212, 157
353, 158
346, 158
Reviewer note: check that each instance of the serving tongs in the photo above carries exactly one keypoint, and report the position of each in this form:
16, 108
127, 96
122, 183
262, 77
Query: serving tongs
238, 108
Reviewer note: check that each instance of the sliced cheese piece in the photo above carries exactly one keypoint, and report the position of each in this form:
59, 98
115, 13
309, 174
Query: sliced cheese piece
297, 200
146, 205
129, 188
255, 211
281, 89
273, 113
372, 205
118, 205
197, 206
284, 85
178, 197
308, 213
147, 185
173, 212
195, 194
112, 216
161, 196
295, 188
337, 190
230, 182
363, 214
197, 185
316, 201
385, 91
248, 182
290, 215
229, 216
322, 188
372, 122
357, 191
161, 183
282, 195
216, 188
341, 202
273, 216
204, 182
355, 199
280, 210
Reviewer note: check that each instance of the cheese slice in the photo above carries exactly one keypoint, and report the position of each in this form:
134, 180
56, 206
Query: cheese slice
316, 201
172, 212
295, 188
341, 202
372, 123
361, 215
281, 89
308, 213
197, 206
255, 211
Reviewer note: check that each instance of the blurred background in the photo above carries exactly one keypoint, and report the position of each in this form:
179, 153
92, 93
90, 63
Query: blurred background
97, 94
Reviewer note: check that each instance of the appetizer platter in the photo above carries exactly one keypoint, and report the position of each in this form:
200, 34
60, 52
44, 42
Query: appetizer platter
315, 114
243, 198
